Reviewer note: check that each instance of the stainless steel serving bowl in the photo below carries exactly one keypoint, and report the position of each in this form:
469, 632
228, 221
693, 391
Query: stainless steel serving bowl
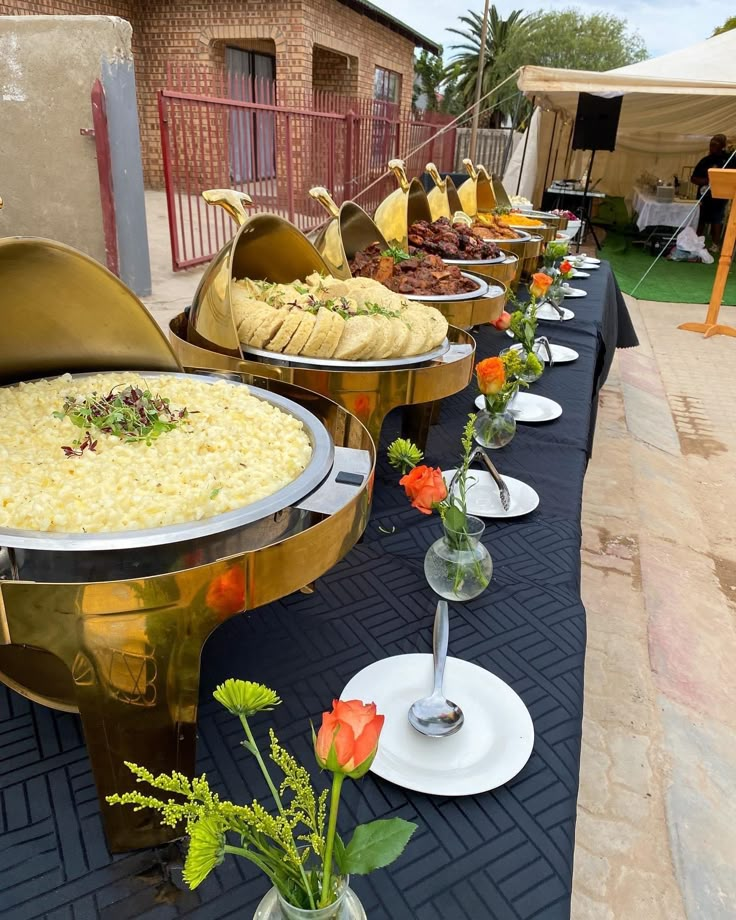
70, 557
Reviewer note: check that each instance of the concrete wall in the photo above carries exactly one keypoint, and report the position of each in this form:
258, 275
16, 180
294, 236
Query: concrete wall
48, 170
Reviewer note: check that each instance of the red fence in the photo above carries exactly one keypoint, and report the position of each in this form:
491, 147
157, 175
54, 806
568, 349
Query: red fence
234, 134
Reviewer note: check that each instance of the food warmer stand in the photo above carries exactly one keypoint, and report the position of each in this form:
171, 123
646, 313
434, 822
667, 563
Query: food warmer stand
267, 247
112, 625
351, 230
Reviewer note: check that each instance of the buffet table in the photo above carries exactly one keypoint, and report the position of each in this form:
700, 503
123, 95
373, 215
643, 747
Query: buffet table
504, 854
653, 213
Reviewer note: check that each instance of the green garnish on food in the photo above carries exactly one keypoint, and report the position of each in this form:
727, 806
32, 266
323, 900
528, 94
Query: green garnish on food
396, 253
131, 414
381, 311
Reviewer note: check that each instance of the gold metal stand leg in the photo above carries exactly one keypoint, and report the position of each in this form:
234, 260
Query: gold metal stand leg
133, 652
416, 421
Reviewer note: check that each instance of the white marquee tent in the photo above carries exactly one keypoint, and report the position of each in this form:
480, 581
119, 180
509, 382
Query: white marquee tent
672, 105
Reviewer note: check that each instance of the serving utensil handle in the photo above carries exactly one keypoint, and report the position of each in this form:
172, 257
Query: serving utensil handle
469, 168
440, 641
398, 168
495, 475
321, 194
235, 203
544, 342
436, 178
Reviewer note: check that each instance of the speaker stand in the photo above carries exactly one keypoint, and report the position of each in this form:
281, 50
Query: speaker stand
585, 207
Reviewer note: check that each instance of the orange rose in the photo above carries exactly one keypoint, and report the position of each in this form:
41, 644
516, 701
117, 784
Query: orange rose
491, 375
539, 285
424, 487
226, 594
348, 738
565, 267
503, 322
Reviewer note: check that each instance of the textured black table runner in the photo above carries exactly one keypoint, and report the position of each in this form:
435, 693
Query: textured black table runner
505, 854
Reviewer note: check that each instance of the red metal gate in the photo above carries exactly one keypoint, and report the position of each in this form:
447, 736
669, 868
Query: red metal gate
211, 140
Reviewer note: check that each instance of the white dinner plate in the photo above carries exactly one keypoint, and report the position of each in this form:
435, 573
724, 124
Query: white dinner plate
529, 408
574, 292
548, 313
588, 266
483, 498
578, 274
493, 745
561, 354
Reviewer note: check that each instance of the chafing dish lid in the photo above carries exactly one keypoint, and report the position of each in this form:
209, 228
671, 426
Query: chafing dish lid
61, 311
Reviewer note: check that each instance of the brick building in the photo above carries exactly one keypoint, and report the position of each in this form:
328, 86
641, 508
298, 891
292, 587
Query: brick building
345, 46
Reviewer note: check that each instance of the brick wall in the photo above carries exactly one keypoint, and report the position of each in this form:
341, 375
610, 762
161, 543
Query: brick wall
166, 31
334, 72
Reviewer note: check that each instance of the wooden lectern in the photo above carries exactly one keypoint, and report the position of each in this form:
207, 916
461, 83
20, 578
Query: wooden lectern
722, 185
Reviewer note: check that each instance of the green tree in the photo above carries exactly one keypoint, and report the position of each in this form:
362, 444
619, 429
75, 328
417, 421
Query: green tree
503, 35
729, 24
564, 38
433, 90
577, 41
429, 72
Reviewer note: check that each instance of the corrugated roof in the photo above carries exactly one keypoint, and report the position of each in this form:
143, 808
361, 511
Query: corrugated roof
396, 25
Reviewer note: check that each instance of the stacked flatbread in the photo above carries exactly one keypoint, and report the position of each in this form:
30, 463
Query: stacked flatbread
357, 319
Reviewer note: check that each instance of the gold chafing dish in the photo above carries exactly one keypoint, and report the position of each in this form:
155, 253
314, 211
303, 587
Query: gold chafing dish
532, 258
476, 193
350, 230
113, 629
507, 272
399, 210
443, 199
208, 338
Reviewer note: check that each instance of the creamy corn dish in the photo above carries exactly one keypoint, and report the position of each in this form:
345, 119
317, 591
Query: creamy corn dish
119, 451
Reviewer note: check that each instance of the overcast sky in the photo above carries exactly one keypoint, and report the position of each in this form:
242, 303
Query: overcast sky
665, 25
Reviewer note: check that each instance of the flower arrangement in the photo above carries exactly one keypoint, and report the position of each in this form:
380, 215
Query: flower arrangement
554, 251
499, 379
427, 491
523, 325
298, 846
566, 269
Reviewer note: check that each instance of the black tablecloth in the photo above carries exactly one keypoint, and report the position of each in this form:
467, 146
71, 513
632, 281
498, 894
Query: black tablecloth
505, 854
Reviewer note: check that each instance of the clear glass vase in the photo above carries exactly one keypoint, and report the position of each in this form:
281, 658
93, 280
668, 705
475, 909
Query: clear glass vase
457, 566
556, 293
530, 374
494, 429
346, 907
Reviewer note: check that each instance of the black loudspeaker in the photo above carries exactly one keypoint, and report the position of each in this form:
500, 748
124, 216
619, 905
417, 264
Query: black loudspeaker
596, 122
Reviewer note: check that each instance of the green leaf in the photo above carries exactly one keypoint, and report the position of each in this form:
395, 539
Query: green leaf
454, 519
338, 854
376, 845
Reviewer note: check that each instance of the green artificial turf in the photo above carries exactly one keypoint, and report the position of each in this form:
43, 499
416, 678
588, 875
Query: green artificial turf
671, 282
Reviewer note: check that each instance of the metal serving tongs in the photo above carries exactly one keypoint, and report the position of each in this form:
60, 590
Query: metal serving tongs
544, 342
503, 489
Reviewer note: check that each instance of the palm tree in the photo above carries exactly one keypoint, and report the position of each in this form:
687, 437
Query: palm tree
502, 37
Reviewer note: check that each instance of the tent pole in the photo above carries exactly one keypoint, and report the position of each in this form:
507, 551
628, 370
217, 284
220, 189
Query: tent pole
568, 157
523, 152
479, 84
557, 153
510, 142
549, 154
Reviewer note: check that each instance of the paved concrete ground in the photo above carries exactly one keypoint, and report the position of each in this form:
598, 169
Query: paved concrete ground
656, 834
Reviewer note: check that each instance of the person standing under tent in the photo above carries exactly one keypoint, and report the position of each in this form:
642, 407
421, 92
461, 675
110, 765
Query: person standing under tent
712, 210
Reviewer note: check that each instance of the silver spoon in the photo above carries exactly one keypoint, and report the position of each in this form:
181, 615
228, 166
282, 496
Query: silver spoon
434, 715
